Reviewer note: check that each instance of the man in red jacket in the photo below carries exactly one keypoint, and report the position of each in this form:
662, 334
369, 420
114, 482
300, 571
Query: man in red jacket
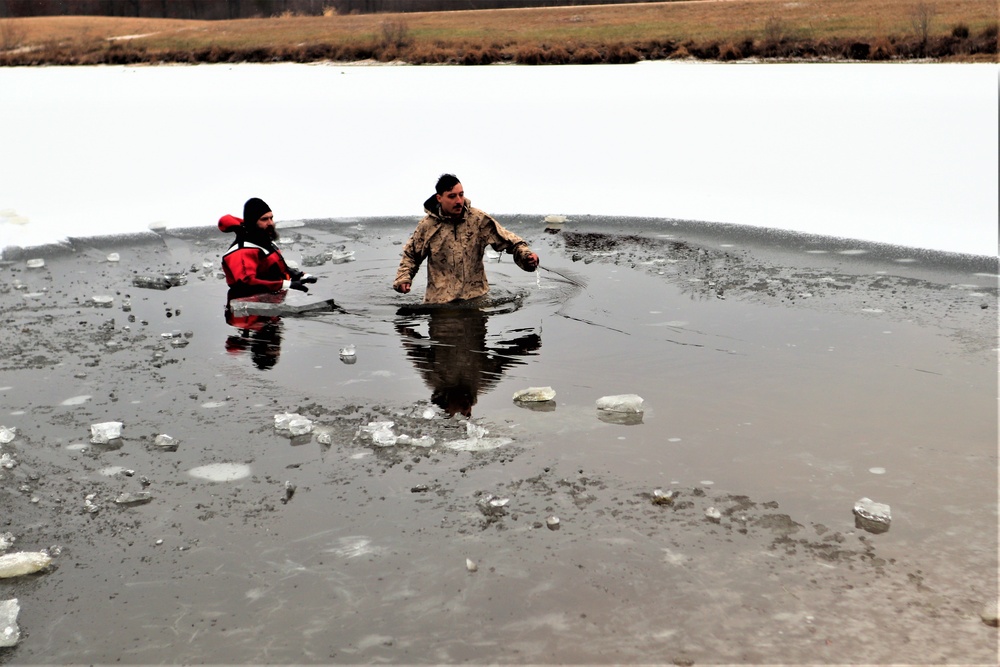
253, 264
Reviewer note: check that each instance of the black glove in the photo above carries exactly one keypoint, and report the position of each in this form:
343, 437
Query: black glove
307, 278
297, 284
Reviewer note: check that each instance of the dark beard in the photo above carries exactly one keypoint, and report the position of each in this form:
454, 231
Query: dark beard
272, 234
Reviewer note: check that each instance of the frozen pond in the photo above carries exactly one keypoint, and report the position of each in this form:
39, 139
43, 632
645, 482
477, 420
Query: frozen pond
899, 154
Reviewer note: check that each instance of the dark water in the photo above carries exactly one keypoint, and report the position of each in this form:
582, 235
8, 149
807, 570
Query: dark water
783, 378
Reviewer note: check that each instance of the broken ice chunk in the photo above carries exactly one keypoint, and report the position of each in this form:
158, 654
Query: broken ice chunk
103, 433
23, 562
872, 516
535, 394
10, 634
628, 403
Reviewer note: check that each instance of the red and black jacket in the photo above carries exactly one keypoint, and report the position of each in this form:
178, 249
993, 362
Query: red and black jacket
253, 265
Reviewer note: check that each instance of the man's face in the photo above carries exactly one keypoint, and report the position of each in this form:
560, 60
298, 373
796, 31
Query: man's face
266, 224
453, 200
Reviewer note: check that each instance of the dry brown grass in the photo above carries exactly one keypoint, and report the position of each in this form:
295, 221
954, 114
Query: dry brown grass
716, 29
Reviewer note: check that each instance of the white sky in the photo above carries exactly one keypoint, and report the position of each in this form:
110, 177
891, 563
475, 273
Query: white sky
901, 153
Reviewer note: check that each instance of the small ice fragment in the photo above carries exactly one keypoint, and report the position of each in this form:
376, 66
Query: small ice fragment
552, 523
105, 432
7, 434
152, 282
157, 226
289, 492
877, 471
348, 354
661, 497
872, 516
113, 257
127, 498
555, 219
627, 403
6, 541
76, 400
491, 505
535, 394
300, 426
221, 472
283, 420
10, 634
35, 263
325, 438
103, 300
384, 437
166, 442
340, 256
23, 562
988, 614
470, 565
713, 515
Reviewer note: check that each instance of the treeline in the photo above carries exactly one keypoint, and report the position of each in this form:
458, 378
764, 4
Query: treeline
236, 9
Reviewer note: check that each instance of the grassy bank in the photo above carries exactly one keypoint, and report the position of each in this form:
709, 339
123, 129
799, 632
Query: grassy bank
959, 30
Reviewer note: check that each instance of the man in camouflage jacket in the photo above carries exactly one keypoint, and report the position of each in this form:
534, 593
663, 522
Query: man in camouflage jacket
452, 238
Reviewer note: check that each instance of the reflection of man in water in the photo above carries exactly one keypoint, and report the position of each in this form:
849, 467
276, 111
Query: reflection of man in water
259, 334
253, 263
452, 238
455, 359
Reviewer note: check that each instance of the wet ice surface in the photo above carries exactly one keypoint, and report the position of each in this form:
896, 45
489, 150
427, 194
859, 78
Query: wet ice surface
772, 401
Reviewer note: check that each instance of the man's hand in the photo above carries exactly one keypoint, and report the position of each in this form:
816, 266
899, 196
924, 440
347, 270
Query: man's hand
402, 288
297, 284
531, 261
307, 278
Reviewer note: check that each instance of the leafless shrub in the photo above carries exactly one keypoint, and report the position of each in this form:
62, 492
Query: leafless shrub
921, 18
394, 32
775, 30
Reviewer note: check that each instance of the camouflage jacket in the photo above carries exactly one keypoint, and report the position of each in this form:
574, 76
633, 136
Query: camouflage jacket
453, 248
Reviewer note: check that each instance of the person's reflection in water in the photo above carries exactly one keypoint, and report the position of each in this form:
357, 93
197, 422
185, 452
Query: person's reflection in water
456, 360
258, 334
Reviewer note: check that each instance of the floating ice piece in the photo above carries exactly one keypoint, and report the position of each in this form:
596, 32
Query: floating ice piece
535, 394
626, 403
76, 400
283, 420
10, 634
139, 498
348, 354
470, 565
422, 441
713, 515
35, 263
872, 516
661, 497
552, 523
113, 257
105, 432
300, 426
23, 562
157, 226
221, 472
7, 462
7, 434
103, 300
988, 614
166, 442
152, 282
6, 541
340, 256
491, 505
380, 433
555, 219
